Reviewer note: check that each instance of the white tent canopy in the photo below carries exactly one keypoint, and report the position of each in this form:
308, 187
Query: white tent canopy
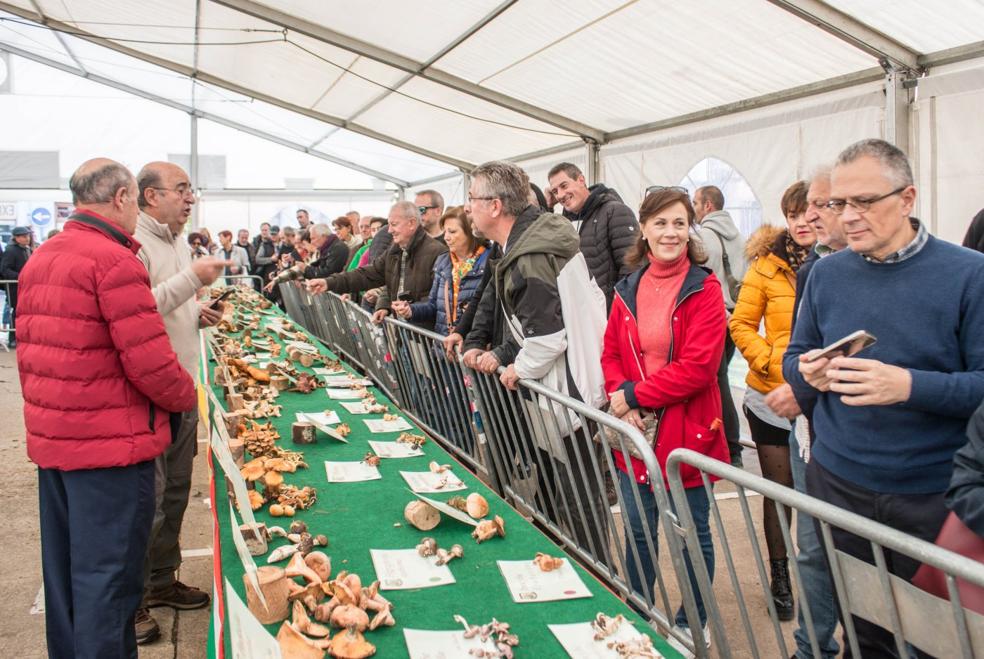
635, 92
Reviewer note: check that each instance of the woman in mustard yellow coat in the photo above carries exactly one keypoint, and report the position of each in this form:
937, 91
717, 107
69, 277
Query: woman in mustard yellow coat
768, 293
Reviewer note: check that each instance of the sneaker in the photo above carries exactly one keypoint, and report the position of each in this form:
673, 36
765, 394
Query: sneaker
177, 596
679, 647
146, 627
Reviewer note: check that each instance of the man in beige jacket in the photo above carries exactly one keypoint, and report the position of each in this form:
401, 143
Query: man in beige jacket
165, 201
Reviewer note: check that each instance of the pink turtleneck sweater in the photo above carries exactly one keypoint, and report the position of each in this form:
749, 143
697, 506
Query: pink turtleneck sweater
655, 301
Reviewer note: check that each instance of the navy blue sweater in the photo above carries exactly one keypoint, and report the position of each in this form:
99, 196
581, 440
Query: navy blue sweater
927, 313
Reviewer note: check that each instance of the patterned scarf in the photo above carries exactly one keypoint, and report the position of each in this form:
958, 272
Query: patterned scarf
460, 268
795, 254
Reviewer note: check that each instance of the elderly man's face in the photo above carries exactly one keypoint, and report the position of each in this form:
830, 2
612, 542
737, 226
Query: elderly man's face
876, 230
175, 197
265, 231
402, 228
317, 240
480, 208
243, 235
825, 222
365, 228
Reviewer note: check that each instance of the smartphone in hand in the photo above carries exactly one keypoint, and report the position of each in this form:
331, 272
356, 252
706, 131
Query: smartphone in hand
849, 346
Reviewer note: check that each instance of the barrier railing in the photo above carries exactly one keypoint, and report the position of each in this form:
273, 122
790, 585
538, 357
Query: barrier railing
868, 591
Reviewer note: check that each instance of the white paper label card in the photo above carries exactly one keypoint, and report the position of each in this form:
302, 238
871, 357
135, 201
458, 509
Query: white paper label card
355, 408
404, 569
302, 346
344, 394
351, 472
248, 638
578, 640
450, 511
394, 450
429, 482
326, 418
320, 370
346, 381
378, 425
427, 644
528, 583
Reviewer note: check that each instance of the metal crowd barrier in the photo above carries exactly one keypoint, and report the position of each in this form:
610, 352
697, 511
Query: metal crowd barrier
6, 322
914, 617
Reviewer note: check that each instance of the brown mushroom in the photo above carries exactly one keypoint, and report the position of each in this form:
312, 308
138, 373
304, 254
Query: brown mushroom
256, 500
547, 563
489, 528
298, 568
349, 615
351, 644
294, 644
303, 624
446, 556
422, 515
298, 526
384, 618
320, 563
427, 547
253, 470
476, 505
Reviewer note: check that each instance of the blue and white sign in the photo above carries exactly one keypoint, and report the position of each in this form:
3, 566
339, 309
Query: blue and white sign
41, 217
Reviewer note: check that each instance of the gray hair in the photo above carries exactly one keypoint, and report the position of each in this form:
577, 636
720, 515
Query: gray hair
321, 229
99, 186
506, 182
149, 177
893, 160
407, 209
821, 172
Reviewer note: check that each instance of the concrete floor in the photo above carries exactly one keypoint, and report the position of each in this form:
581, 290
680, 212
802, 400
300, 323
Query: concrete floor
185, 634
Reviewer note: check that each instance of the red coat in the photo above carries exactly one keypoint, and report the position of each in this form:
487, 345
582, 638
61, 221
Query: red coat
95, 363
683, 393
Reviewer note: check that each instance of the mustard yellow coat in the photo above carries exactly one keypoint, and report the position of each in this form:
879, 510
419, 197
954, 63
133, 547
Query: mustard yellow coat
768, 291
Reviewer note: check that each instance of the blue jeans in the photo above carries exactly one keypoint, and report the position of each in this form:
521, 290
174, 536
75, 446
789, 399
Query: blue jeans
636, 532
814, 572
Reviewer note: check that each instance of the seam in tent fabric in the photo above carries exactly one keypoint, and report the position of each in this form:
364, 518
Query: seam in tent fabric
18, 21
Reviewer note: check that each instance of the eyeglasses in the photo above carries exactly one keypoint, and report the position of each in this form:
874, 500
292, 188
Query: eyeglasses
659, 188
182, 190
860, 204
424, 209
472, 199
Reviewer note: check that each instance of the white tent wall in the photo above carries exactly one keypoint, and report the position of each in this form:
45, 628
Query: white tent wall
950, 138
452, 189
771, 147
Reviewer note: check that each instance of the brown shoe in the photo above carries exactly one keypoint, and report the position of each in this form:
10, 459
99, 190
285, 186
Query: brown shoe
147, 628
177, 596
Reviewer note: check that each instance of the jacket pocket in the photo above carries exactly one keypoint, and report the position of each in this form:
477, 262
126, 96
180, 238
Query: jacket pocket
699, 438
151, 415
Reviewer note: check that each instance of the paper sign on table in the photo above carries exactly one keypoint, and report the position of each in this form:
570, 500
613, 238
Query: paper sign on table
459, 515
346, 381
428, 481
351, 472
358, 407
378, 425
404, 569
343, 394
302, 346
578, 641
427, 644
328, 371
528, 583
249, 566
394, 450
328, 430
247, 637
326, 418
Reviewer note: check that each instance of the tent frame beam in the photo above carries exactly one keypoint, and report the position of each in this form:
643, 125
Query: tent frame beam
411, 66
852, 31
217, 81
199, 114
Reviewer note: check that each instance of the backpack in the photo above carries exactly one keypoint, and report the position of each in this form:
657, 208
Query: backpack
734, 286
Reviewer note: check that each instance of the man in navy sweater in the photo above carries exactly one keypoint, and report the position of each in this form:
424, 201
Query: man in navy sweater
889, 421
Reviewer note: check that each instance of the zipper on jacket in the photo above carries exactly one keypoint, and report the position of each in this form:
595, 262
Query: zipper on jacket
669, 358
152, 416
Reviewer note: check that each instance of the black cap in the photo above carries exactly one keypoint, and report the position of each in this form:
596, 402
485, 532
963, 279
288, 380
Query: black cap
21, 231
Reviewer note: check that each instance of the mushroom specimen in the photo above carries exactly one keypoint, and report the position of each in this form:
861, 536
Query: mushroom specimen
476, 505
304, 624
438, 468
604, 626
422, 515
349, 616
489, 528
547, 563
351, 644
295, 645
427, 547
446, 556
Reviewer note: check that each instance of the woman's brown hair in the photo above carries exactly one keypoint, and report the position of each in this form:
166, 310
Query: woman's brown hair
458, 213
653, 204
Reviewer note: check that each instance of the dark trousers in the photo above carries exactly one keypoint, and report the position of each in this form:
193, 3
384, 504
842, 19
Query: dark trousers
94, 529
172, 488
920, 515
729, 414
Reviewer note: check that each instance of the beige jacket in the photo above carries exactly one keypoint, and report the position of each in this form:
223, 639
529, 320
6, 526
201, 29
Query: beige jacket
168, 260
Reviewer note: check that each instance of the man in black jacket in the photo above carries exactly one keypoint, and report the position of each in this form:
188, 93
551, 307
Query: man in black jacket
11, 262
608, 228
332, 253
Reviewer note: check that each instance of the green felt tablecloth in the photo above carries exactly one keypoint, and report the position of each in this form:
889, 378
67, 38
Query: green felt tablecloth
358, 517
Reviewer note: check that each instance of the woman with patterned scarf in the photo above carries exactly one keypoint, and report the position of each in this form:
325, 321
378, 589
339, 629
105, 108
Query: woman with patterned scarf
768, 292
457, 274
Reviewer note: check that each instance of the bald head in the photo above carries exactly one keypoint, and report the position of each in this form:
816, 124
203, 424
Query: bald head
107, 188
166, 194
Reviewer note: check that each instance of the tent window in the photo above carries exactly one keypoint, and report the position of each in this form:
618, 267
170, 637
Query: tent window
739, 198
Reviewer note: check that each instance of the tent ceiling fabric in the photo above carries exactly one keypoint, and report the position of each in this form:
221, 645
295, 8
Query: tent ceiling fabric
531, 66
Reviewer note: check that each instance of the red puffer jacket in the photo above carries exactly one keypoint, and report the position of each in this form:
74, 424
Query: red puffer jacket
95, 363
683, 393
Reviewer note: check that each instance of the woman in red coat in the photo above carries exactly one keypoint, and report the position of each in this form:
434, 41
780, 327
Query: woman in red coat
662, 349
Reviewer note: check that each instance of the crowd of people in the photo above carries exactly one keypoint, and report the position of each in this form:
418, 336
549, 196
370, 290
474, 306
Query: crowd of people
680, 287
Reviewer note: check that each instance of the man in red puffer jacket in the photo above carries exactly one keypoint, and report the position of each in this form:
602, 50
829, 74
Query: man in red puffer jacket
99, 378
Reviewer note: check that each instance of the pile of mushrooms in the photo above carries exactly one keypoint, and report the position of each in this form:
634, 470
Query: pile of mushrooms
497, 631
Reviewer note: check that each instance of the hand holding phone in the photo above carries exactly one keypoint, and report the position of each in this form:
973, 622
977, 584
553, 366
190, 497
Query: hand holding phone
218, 301
849, 346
